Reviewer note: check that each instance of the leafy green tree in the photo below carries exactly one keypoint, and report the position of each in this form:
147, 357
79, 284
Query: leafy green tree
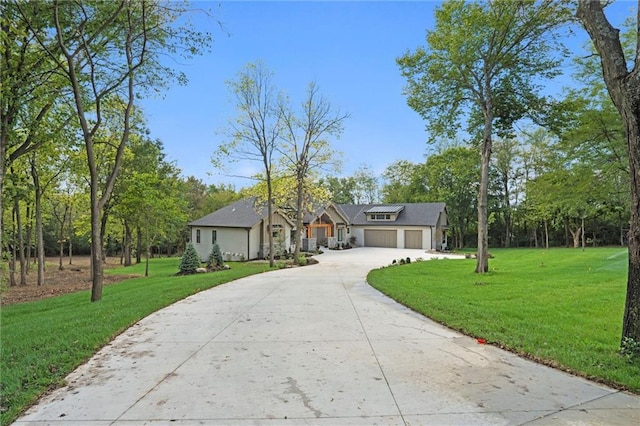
486, 58
505, 164
125, 41
621, 75
340, 188
366, 189
398, 177
31, 92
190, 261
452, 177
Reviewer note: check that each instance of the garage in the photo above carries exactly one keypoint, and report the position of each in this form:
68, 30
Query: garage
380, 238
413, 239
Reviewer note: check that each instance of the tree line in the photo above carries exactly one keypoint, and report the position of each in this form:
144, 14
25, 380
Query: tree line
77, 159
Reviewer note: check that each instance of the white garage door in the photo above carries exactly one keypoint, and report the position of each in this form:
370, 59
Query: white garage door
413, 239
380, 238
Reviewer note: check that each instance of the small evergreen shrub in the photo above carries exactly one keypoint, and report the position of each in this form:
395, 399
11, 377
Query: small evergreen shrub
190, 261
215, 261
302, 260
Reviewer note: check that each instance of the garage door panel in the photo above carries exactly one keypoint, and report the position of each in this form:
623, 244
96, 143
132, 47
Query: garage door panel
380, 238
413, 239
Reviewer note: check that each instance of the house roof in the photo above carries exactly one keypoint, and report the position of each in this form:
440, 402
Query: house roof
411, 214
241, 214
320, 210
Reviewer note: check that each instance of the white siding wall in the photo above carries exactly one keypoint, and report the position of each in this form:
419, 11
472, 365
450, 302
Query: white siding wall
254, 242
427, 240
359, 234
233, 240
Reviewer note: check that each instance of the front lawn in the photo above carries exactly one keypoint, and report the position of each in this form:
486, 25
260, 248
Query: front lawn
43, 341
563, 307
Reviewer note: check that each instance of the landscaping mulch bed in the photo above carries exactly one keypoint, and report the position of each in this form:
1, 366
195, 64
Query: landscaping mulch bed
73, 278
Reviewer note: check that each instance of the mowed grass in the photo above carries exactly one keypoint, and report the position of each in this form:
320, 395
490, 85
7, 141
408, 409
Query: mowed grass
41, 342
563, 307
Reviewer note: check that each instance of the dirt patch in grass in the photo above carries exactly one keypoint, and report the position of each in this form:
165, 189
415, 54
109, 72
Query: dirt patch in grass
73, 278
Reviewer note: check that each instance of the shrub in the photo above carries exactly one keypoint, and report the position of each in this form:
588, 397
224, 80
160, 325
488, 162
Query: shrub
302, 260
190, 261
630, 349
215, 258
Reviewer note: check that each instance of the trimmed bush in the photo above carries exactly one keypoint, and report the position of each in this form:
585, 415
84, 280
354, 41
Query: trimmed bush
190, 261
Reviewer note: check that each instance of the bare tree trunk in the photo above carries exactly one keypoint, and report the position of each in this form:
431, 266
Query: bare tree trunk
28, 235
103, 228
546, 234
70, 233
299, 217
270, 217
582, 232
127, 244
39, 236
12, 268
61, 239
138, 245
482, 265
96, 247
23, 272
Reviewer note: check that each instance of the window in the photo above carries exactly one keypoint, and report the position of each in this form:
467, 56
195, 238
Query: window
214, 236
380, 217
340, 234
197, 236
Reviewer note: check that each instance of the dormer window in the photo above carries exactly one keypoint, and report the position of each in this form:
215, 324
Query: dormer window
380, 217
383, 213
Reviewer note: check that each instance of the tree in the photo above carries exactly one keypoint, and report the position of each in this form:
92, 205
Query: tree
452, 177
215, 260
365, 189
305, 149
190, 261
622, 78
398, 176
506, 156
257, 130
108, 50
30, 91
486, 56
340, 188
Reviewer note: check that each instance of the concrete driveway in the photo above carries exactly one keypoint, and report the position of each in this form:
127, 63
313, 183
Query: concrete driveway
316, 345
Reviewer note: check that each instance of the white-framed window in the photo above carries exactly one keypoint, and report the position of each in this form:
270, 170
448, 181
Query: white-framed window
380, 216
214, 236
340, 234
197, 236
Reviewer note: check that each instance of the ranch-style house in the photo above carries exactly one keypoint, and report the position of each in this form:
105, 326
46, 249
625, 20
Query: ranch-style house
240, 229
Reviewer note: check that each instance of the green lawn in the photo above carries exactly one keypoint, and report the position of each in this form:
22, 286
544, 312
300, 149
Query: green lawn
41, 342
561, 306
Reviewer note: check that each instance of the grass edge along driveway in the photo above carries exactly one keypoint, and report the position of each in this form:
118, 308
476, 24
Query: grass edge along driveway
561, 307
42, 342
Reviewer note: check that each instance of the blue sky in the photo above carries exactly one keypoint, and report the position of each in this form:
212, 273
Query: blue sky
347, 48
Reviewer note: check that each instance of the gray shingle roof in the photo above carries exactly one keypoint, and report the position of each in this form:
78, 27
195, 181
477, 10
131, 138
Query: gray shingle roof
413, 214
241, 214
